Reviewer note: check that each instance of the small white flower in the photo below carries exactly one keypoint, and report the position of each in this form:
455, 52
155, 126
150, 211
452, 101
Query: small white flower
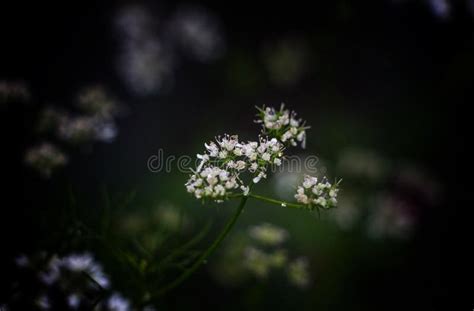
301, 198
317, 191
245, 189
320, 201
240, 165
309, 181
287, 135
321, 194
219, 190
223, 154
212, 180
294, 123
259, 177
190, 188
230, 184
266, 156
277, 162
283, 125
224, 175
253, 167
212, 149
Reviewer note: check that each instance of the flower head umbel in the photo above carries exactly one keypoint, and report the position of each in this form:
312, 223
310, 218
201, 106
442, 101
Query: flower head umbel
317, 194
228, 167
283, 125
226, 160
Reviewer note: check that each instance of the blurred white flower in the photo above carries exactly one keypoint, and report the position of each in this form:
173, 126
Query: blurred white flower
145, 63
117, 302
96, 102
135, 22
268, 234
86, 129
22, 261
43, 302
45, 158
391, 217
440, 8
197, 33
146, 66
13, 91
76, 263
298, 273
362, 163
74, 301
257, 261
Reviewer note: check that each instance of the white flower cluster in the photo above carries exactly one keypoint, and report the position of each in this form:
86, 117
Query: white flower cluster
283, 125
223, 162
317, 194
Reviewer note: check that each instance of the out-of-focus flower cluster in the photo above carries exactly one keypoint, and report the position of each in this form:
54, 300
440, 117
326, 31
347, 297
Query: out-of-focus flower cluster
59, 270
268, 234
93, 121
261, 248
385, 199
71, 282
152, 45
45, 158
283, 125
194, 30
317, 194
151, 228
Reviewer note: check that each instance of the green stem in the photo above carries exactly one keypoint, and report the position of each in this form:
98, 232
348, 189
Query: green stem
278, 202
187, 273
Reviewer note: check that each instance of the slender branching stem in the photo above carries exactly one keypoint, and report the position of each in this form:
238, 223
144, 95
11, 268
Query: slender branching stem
204, 256
278, 202
229, 225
